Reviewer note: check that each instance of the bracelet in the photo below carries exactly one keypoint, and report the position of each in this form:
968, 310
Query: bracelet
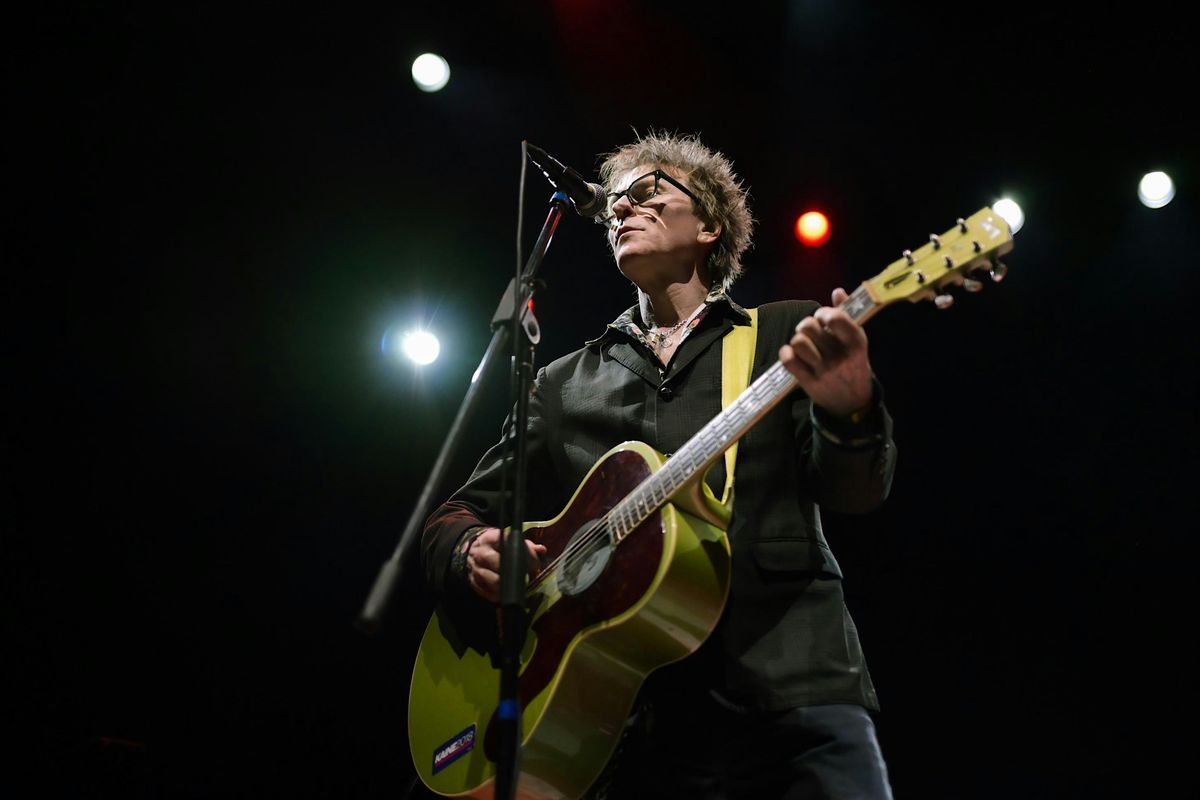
458, 562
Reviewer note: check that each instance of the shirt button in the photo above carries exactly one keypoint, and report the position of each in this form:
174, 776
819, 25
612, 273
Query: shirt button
666, 392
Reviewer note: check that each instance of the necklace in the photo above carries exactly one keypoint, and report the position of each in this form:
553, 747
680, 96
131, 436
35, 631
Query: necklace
658, 336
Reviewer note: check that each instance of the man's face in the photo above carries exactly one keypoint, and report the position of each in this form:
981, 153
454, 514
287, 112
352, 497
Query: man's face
659, 233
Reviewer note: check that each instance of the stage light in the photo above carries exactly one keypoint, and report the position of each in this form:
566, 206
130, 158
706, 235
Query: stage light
812, 228
1010, 212
420, 347
430, 72
1156, 189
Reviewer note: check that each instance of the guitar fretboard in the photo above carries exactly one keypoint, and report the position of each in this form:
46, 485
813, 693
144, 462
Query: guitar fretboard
703, 449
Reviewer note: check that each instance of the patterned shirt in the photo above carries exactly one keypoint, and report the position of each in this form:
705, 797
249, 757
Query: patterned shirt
630, 322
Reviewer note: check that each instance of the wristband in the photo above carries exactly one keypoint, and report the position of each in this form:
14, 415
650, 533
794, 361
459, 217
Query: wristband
458, 562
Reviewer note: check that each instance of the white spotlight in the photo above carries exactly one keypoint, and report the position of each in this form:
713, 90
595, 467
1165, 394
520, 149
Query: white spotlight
421, 347
430, 72
1156, 189
1010, 212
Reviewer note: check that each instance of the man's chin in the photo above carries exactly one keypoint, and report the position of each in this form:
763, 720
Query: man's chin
632, 264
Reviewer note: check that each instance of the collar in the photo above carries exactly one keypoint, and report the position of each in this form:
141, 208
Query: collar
629, 323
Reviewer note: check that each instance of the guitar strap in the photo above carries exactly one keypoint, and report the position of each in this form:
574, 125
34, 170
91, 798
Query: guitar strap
737, 361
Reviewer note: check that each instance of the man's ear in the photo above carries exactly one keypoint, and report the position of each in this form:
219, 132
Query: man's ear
709, 232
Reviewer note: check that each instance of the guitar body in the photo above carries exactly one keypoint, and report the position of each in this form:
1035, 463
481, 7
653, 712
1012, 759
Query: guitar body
595, 633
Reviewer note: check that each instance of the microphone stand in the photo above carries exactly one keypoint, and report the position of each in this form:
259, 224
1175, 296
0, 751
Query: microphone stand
513, 322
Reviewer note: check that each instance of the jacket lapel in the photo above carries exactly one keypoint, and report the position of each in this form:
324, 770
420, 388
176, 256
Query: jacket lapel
697, 342
625, 354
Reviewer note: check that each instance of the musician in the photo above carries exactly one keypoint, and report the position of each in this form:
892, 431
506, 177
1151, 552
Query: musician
775, 703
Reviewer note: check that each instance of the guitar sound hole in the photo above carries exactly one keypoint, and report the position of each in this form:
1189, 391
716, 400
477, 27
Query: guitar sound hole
590, 551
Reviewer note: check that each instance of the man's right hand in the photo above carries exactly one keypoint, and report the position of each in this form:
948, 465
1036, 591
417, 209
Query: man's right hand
483, 563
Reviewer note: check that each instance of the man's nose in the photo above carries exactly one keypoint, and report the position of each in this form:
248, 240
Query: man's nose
622, 208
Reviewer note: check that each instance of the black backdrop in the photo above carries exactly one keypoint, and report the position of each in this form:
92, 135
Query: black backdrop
217, 213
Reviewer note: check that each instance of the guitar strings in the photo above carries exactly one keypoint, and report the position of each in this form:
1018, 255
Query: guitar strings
600, 527
859, 305
592, 534
598, 530
722, 426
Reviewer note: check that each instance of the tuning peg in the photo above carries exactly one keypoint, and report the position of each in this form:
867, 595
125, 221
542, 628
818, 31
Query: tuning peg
971, 285
937, 241
908, 257
962, 224
999, 270
943, 301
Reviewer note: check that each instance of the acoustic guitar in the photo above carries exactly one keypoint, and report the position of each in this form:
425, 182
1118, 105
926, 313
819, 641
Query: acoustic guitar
636, 575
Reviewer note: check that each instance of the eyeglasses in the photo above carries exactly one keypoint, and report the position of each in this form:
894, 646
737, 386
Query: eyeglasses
641, 191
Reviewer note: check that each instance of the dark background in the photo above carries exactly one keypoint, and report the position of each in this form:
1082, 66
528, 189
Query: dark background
216, 214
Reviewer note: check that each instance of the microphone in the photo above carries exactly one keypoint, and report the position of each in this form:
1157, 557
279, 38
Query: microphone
589, 199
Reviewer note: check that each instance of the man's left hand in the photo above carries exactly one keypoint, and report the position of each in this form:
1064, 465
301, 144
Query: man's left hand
828, 357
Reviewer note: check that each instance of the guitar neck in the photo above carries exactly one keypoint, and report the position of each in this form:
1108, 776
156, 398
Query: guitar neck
703, 449
972, 244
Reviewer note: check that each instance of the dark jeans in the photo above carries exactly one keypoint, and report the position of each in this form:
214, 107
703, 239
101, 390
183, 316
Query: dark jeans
704, 750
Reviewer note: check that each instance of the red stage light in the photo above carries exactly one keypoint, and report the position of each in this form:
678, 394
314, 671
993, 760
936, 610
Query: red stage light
812, 228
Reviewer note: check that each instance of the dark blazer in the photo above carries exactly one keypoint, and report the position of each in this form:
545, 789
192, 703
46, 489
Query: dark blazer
786, 638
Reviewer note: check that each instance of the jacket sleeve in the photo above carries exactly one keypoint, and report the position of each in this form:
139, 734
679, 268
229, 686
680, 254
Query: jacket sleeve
479, 501
847, 466
850, 463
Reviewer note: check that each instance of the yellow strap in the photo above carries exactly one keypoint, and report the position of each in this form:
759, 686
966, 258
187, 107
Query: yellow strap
737, 360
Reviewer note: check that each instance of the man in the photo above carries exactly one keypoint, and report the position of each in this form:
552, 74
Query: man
774, 704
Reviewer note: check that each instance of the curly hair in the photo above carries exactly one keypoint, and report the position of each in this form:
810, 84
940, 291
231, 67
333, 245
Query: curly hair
710, 176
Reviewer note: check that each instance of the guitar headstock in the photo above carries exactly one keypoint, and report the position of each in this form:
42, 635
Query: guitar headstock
975, 243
